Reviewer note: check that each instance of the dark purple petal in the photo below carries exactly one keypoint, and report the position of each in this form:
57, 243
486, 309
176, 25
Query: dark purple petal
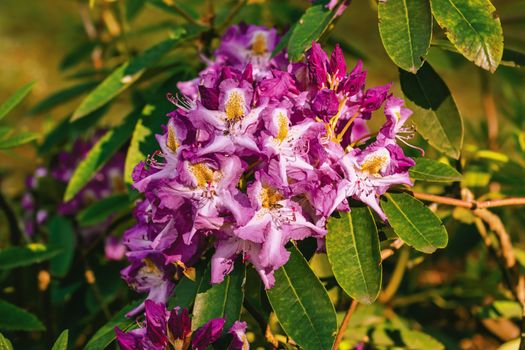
179, 323
209, 97
239, 341
127, 341
156, 322
207, 334
338, 63
317, 61
325, 104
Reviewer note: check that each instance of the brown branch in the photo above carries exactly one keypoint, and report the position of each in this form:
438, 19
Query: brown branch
470, 204
495, 224
344, 324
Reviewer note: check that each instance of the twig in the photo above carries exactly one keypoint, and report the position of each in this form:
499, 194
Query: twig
397, 276
344, 324
385, 254
180, 11
490, 110
232, 14
470, 204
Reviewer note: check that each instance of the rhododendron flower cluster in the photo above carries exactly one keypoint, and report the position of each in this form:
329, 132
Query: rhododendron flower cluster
106, 182
172, 330
260, 152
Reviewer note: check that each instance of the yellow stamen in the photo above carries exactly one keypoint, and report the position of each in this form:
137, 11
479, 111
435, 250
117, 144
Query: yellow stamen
259, 46
375, 162
282, 121
203, 174
270, 197
234, 106
347, 125
171, 140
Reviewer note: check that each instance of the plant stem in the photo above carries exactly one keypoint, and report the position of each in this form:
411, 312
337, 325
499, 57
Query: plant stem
344, 324
397, 276
232, 14
181, 12
470, 204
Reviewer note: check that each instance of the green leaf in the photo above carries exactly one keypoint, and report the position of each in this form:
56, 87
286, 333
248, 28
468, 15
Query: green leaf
22, 256
5, 132
220, 300
61, 236
15, 99
18, 140
433, 171
507, 309
101, 152
106, 334
406, 29
61, 342
414, 223
310, 27
302, 304
125, 75
63, 96
5, 344
352, 245
402, 338
17, 319
102, 209
474, 29
436, 116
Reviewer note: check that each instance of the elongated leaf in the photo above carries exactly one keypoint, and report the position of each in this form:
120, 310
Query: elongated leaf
61, 342
352, 245
414, 223
61, 236
22, 256
436, 116
406, 28
125, 75
17, 319
387, 337
63, 96
106, 334
5, 132
18, 140
310, 27
101, 152
15, 99
473, 28
302, 305
434, 171
103, 209
5, 344
220, 300
507, 309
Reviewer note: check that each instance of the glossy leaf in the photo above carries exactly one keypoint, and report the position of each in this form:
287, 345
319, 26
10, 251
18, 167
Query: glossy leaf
23, 256
18, 140
106, 334
433, 171
220, 300
474, 29
5, 344
125, 75
103, 209
61, 342
61, 236
310, 27
406, 28
352, 245
414, 223
436, 115
15, 99
101, 152
17, 319
385, 337
302, 305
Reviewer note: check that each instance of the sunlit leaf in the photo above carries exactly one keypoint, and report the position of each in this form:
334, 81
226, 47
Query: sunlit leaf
352, 245
63, 96
436, 116
222, 300
5, 344
474, 29
433, 171
17, 319
99, 154
406, 28
61, 342
15, 99
18, 140
302, 305
414, 223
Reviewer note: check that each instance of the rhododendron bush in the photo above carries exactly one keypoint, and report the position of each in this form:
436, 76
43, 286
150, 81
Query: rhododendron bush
233, 178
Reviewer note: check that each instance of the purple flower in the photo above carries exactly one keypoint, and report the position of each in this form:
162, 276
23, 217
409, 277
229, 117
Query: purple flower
239, 341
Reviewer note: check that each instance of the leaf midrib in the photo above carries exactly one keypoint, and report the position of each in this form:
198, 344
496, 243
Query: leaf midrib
408, 220
352, 233
409, 35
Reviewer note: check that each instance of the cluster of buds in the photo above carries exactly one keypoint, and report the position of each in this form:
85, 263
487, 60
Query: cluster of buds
259, 152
